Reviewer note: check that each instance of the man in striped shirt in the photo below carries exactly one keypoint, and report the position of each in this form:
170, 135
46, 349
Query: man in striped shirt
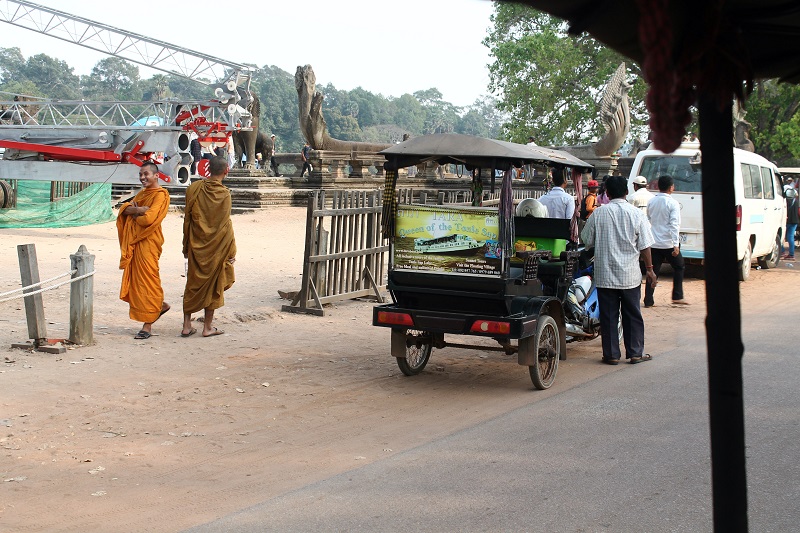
620, 234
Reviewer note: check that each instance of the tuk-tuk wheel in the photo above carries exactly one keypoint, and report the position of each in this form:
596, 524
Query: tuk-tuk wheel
547, 347
418, 351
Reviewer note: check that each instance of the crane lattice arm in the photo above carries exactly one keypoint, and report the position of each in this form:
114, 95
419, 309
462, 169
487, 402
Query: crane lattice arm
124, 44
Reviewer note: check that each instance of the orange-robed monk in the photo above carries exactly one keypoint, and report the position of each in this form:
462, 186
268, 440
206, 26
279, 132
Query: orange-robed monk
209, 247
140, 242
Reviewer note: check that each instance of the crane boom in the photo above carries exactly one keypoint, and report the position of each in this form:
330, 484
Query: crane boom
124, 44
77, 141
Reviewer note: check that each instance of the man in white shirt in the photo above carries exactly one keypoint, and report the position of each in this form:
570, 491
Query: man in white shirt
620, 235
664, 213
640, 196
559, 204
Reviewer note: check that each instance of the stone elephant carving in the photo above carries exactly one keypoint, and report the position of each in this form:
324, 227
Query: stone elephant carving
244, 142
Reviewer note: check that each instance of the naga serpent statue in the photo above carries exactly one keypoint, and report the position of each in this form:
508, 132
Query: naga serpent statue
312, 123
615, 116
615, 113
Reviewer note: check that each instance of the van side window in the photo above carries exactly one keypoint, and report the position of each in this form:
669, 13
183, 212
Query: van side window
751, 177
769, 183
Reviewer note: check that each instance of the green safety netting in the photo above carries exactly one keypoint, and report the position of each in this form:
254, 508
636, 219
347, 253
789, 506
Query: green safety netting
35, 210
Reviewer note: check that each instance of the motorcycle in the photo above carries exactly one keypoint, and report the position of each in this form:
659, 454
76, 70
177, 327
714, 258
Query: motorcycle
581, 306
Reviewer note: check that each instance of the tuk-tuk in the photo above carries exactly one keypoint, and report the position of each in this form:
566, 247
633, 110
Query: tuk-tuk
476, 270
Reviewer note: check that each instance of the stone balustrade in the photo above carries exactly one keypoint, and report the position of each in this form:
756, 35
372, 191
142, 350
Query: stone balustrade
329, 165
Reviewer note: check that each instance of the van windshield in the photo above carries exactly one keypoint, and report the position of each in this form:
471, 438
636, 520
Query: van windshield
688, 178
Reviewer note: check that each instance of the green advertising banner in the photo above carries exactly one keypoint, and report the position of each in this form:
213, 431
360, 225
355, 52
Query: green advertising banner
447, 240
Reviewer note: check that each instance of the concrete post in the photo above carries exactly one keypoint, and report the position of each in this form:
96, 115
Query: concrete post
81, 298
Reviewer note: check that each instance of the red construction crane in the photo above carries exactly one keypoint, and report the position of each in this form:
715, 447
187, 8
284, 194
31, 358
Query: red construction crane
77, 141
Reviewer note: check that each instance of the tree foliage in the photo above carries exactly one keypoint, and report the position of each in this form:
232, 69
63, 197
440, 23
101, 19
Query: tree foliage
52, 77
113, 79
550, 83
773, 112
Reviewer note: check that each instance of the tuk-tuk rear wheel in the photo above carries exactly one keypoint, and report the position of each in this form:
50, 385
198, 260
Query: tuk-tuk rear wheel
418, 351
547, 347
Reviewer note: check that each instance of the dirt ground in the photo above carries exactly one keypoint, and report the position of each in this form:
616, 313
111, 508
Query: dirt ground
166, 433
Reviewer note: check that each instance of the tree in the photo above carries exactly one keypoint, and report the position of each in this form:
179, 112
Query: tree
549, 83
184, 89
342, 127
12, 64
440, 116
373, 109
408, 114
773, 112
12, 77
279, 111
481, 119
54, 78
112, 79
156, 88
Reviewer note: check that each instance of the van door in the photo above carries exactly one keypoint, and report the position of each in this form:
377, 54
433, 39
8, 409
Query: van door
776, 205
755, 215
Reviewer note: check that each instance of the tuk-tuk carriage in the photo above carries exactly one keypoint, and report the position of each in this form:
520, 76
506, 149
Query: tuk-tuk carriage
476, 270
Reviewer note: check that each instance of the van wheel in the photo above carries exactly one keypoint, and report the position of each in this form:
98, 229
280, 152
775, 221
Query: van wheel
772, 259
746, 263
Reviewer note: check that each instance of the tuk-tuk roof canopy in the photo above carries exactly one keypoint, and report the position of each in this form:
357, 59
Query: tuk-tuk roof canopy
474, 152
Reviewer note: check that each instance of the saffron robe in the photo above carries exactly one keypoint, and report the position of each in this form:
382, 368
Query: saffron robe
140, 242
208, 244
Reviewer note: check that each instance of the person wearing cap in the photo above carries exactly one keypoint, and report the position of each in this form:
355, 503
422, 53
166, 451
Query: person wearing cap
640, 196
664, 213
788, 183
588, 204
591, 197
271, 148
531, 141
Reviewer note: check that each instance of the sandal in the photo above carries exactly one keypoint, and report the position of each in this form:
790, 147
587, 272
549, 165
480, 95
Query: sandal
610, 361
214, 332
641, 359
143, 335
191, 332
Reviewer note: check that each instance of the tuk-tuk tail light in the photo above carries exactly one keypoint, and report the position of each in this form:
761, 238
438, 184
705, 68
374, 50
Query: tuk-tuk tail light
398, 319
491, 326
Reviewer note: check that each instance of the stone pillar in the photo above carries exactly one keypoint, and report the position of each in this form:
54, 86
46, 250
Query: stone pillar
81, 299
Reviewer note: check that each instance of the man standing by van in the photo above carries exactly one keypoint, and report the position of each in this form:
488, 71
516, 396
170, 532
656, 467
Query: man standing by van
664, 213
640, 196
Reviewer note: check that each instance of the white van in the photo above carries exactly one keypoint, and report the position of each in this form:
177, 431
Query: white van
760, 205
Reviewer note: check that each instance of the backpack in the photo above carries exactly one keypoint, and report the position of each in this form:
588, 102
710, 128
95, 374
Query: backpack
584, 214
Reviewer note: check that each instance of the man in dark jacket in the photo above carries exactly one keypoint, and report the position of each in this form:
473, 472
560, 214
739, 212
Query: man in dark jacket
792, 219
197, 154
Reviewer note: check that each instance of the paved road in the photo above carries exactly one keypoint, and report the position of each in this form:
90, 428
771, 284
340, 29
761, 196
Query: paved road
628, 451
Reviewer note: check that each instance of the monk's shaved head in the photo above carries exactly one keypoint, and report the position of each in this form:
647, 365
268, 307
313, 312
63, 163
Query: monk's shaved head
218, 166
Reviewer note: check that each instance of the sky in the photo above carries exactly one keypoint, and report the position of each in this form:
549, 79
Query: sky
388, 48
